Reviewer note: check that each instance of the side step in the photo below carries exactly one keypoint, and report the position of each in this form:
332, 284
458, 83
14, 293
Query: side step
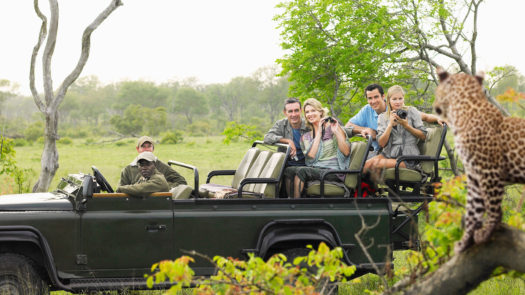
99, 284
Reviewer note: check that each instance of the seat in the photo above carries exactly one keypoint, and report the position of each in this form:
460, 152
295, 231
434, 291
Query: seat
214, 190
358, 154
258, 185
409, 182
238, 174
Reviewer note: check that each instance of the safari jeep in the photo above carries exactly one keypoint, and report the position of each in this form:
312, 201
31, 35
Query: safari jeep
84, 237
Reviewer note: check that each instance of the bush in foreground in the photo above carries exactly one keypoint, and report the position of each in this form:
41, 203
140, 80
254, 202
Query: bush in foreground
317, 273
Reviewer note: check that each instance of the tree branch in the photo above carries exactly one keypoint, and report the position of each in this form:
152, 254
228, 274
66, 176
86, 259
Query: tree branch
48, 53
467, 270
43, 33
86, 43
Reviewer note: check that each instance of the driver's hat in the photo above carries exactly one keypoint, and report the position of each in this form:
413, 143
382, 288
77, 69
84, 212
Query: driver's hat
148, 156
144, 139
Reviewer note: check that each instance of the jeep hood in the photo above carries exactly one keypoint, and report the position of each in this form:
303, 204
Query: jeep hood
35, 202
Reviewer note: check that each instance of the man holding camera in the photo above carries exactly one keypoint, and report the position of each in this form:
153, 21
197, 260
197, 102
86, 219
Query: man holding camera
365, 121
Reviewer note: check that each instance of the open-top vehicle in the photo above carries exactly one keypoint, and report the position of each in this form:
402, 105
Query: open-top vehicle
83, 236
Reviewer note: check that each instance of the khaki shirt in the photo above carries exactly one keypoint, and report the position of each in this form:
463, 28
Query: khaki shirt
131, 174
146, 186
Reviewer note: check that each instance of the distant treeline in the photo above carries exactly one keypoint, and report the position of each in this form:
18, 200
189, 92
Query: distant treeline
132, 108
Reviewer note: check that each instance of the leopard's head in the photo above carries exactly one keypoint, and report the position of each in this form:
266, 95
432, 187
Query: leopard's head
450, 90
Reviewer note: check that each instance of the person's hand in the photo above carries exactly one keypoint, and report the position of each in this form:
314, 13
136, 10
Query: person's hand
368, 131
402, 122
440, 121
394, 118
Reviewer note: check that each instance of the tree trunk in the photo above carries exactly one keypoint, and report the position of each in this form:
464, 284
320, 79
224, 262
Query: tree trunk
49, 106
464, 272
49, 161
452, 159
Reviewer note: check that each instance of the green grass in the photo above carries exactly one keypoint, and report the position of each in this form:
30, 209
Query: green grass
204, 153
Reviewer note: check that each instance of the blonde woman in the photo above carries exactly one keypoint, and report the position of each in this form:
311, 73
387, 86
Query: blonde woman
325, 146
398, 131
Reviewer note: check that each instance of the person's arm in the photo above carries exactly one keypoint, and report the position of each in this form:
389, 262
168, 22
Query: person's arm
385, 125
357, 123
275, 133
172, 177
431, 118
125, 176
315, 144
417, 129
340, 135
157, 183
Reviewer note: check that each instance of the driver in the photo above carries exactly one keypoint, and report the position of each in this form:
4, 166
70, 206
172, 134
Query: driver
150, 180
130, 174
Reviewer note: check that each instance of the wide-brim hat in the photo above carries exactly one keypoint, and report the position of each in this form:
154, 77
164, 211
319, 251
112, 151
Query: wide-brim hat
144, 139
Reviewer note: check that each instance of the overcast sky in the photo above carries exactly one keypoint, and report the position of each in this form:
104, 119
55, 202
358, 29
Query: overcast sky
161, 40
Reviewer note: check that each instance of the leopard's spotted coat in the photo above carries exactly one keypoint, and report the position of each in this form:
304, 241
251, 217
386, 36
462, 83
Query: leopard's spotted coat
491, 146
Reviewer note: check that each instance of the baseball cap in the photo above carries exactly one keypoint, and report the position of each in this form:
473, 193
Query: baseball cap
148, 156
144, 139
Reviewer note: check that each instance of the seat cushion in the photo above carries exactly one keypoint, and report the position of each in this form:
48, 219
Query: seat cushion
208, 190
357, 154
273, 167
405, 174
246, 162
181, 191
330, 189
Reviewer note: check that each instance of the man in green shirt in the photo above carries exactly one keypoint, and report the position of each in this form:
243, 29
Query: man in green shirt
130, 174
150, 180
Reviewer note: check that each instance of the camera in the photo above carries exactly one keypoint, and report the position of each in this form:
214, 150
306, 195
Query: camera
402, 113
330, 119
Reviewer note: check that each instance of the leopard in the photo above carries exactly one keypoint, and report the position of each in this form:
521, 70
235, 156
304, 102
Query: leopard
490, 145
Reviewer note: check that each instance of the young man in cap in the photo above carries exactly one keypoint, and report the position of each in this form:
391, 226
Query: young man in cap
150, 180
130, 174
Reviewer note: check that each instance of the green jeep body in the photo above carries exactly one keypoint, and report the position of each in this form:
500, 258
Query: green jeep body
77, 240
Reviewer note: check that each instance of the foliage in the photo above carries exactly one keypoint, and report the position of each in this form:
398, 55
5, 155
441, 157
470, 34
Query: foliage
137, 119
9, 167
234, 131
142, 93
171, 137
336, 48
316, 273
34, 131
65, 140
190, 103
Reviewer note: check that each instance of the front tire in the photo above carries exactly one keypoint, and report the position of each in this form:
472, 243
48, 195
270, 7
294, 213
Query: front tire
18, 276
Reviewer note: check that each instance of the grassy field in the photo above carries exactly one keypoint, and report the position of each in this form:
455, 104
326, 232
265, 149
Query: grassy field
206, 154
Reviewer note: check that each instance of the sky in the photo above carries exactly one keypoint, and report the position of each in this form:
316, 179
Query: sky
212, 40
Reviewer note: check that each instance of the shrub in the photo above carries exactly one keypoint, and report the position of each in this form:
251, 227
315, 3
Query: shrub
20, 142
65, 140
34, 131
275, 276
172, 137
235, 131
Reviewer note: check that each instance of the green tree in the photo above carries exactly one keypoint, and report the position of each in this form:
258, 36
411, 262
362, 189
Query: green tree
142, 93
273, 90
190, 103
336, 48
138, 119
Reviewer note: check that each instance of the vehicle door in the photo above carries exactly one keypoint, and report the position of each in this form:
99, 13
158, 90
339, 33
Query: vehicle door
124, 236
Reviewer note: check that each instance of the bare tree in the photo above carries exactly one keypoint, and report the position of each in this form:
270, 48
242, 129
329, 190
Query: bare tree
51, 101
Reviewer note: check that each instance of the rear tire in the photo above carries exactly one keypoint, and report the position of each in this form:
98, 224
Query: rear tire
18, 276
